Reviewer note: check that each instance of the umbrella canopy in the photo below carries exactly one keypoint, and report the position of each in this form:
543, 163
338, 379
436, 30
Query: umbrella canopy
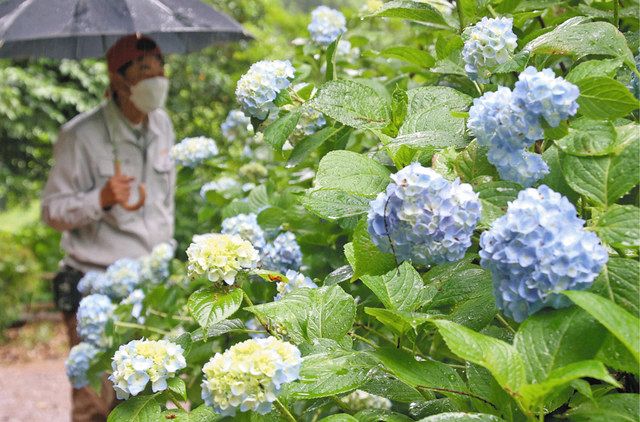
77, 29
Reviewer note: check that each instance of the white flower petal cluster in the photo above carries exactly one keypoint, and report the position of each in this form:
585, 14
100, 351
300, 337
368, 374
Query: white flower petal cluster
123, 276
360, 400
155, 266
249, 375
93, 314
220, 256
135, 298
309, 123
257, 88
296, 280
345, 52
226, 186
192, 151
246, 226
236, 126
78, 363
140, 361
326, 25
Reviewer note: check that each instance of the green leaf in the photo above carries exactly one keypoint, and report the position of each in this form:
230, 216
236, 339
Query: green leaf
308, 314
399, 104
472, 162
550, 340
419, 12
277, 132
308, 144
484, 385
178, 387
411, 55
399, 322
333, 204
217, 329
619, 281
381, 415
609, 408
616, 356
331, 60
341, 417
500, 358
577, 39
202, 413
555, 179
619, 226
353, 173
400, 289
137, 409
593, 68
605, 179
462, 417
368, 258
604, 98
618, 321
352, 104
209, 307
533, 395
467, 11
494, 197
328, 374
589, 138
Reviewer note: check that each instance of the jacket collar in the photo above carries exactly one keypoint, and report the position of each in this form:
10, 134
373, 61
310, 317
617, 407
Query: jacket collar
121, 130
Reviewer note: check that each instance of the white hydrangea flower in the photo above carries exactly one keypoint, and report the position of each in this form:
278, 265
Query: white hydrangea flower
220, 256
236, 126
155, 267
123, 276
140, 361
135, 298
226, 186
296, 280
249, 375
326, 25
192, 151
360, 400
257, 88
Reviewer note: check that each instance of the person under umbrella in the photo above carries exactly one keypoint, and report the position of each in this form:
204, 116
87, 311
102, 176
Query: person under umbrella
100, 157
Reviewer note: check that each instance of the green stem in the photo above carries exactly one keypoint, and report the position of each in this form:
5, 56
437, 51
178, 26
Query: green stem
460, 17
342, 405
505, 323
139, 327
260, 320
616, 13
364, 340
178, 404
166, 315
284, 411
491, 10
478, 87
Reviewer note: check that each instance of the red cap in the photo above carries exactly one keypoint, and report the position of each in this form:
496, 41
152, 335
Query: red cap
126, 50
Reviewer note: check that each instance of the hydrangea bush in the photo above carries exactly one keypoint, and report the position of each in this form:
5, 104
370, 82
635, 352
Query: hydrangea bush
440, 227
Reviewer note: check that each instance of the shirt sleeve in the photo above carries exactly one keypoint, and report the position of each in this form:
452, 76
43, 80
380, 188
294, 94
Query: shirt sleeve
70, 199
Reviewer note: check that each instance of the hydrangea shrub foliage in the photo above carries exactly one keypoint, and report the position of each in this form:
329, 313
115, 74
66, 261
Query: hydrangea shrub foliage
417, 211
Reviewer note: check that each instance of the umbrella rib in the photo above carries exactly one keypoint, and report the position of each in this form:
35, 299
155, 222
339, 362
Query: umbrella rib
9, 18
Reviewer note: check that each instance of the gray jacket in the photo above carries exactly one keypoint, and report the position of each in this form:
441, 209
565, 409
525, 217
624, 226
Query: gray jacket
84, 161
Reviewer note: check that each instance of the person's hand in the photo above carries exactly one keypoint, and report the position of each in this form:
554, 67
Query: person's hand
116, 190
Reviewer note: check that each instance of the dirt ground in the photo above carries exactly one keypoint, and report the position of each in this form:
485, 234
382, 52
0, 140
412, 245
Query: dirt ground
33, 384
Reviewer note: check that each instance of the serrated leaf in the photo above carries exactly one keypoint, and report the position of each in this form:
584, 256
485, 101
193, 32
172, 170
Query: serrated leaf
612, 407
472, 162
399, 289
333, 204
277, 132
217, 329
619, 281
592, 68
368, 258
616, 319
308, 144
209, 307
352, 104
589, 138
137, 409
380, 415
338, 275
494, 197
330, 56
178, 387
353, 173
400, 322
555, 178
604, 98
419, 12
619, 226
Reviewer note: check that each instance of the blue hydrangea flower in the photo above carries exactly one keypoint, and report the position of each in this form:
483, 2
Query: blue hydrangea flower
135, 298
345, 52
227, 187
236, 126
193, 151
424, 218
254, 325
93, 282
282, 254
136, 363
326, 25
522, 166
78, 363
93, 314
635, 81
296, 280
310, 121
154, 267
538, 249
246, 226
543, 95
491, 43
123, 276
257, 88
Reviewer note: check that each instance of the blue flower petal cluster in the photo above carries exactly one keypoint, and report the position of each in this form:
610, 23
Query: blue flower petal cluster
538, 249
192, 151
326, 25
123, 276
135, 299
78, 363
282, 254
424, 218
93, 282
634, 84
310, 121
154, 268
93, 314
142, 361
296, 280
249, 375
257, 88
491, 43
543, 95
246, 226
236, 126
507, 122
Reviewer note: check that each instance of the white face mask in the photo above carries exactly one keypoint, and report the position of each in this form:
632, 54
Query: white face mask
150, 93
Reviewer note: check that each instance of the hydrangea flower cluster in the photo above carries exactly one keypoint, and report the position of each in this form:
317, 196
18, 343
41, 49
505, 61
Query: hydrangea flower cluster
246, 226
326, 25
310, 121
236, 126
78, 363
155, 267
93, 314
192, 151
509, 122
634, 83
257, 88
538, 249
220, 256
135, 298
93, 282
136, 363
123, 277
296, 280
254, 325
424, 218
345, 52
253, 171
360, 400
282, 254
491, 43
225, 186
249, 375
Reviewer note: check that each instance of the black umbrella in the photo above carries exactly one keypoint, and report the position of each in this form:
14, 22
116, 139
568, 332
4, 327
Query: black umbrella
77, 29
